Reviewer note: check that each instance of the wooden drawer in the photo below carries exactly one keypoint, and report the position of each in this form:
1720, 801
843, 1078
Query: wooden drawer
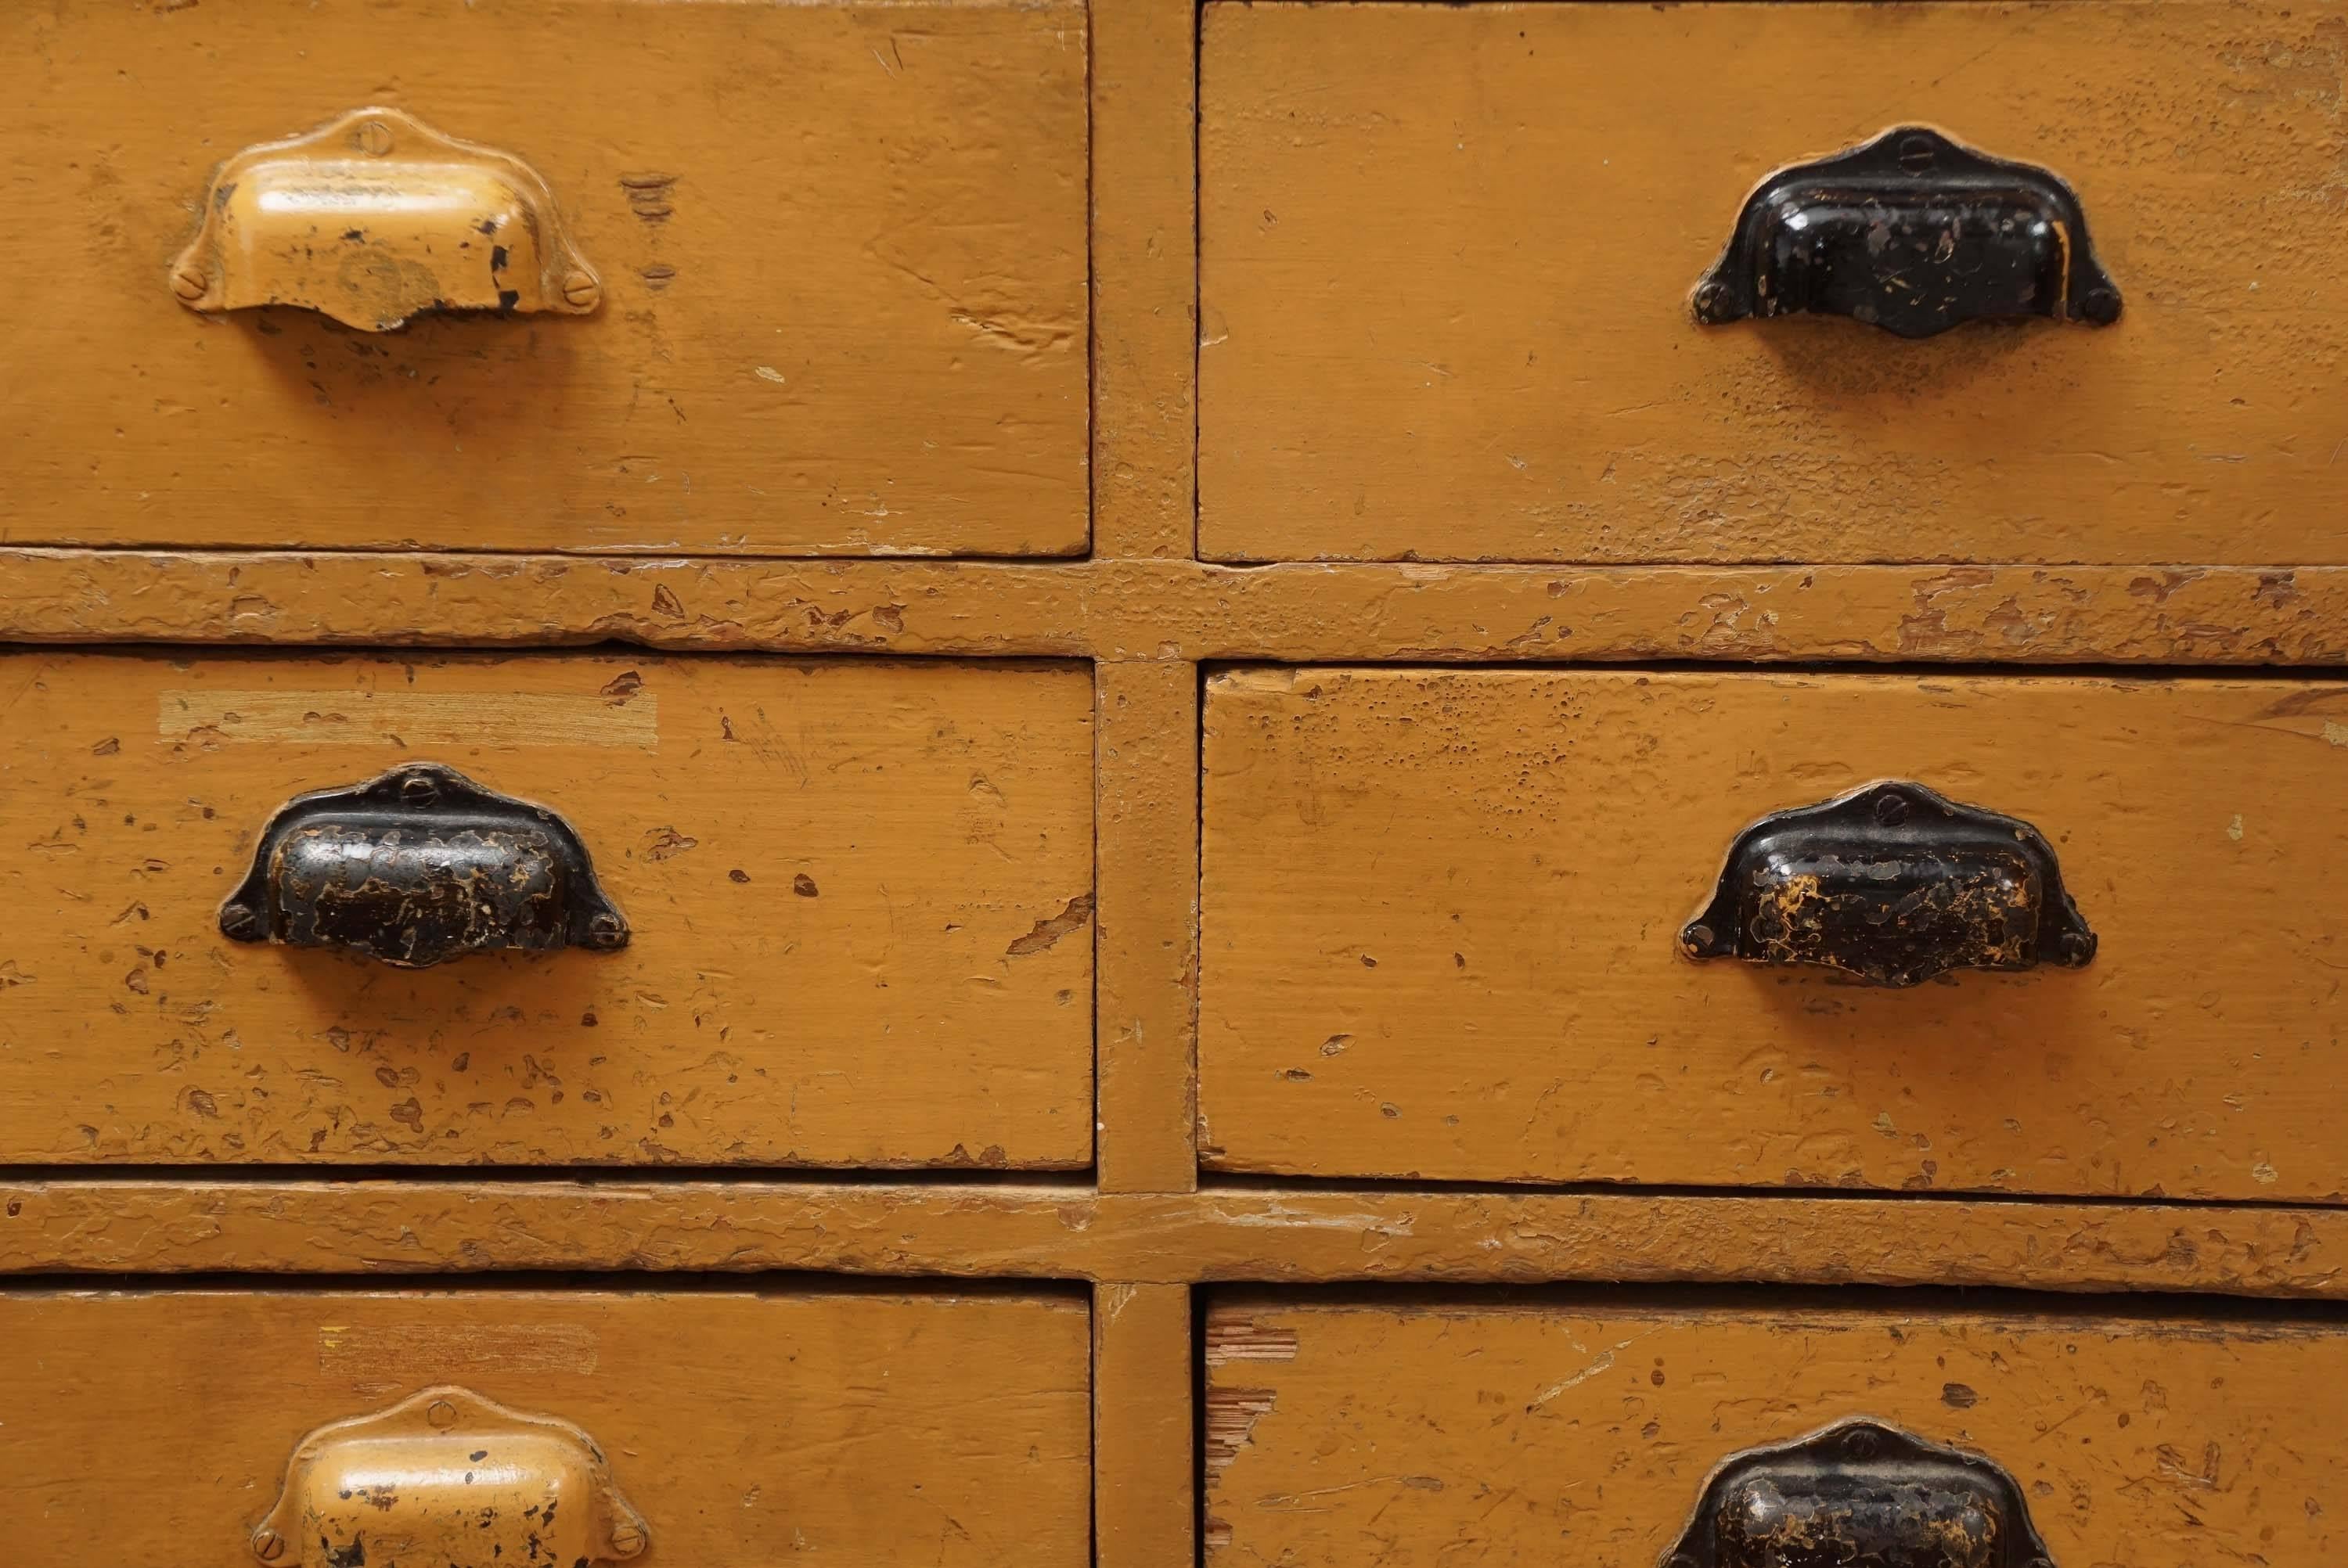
859, 896
837, 253
735, 1426
1483, 223
1443, 917
1515, 1430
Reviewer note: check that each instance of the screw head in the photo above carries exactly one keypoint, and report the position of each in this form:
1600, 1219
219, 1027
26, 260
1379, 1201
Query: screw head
581, 289
189, 284
372, 138
628, 1538
1890, 810
607, 931
1710, 298
1917, 153
419, 789
2100, 305
441, 1414
267, 1545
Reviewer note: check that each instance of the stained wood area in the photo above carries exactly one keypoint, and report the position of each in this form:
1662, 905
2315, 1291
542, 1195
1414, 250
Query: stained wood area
860, 894
1441, 919
746, 1426
1446, 253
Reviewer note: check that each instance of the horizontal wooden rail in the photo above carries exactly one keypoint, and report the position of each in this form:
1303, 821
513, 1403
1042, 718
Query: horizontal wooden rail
103, 1225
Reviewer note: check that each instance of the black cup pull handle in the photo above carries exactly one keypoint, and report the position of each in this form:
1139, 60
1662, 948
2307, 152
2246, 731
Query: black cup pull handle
1894, 883
1860, 1492
420, 865
1913, 233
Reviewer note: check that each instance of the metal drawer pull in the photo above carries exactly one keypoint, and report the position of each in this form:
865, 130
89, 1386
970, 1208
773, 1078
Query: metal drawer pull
375, 217
448, 1477
419, 865
1896, 884
1913, 233
1860, 1492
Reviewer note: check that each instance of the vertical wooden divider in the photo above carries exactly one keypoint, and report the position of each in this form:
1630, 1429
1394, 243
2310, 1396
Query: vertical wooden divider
1144, 1505
1147, 848
1145, 257
1144, 449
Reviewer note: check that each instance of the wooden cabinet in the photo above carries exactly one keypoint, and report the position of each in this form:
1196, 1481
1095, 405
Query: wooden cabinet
1448, 256
911, 782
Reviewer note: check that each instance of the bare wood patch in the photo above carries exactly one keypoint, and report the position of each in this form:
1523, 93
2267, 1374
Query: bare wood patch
1246, 1339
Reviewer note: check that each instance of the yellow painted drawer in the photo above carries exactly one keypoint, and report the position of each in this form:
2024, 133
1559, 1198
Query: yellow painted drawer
734, 1426
1448, 255
1526, 1429
1444, 911
839, 251
858, 894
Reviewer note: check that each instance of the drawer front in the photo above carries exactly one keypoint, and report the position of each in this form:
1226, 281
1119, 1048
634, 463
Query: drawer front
1444, 916
858, 899
1486, 223
1497, 1433
733, 1426
832, 259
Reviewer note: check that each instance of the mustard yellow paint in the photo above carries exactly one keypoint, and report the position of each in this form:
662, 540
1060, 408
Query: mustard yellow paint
1446, 253
1441, 919
742, 1425
1581, 1428
861, 896
882, 205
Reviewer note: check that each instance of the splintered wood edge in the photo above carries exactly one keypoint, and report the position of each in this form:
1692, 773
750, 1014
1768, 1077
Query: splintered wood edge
1189, 611
138, 1226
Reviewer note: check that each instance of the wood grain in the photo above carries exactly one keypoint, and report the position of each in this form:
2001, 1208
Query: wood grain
1445, 253
860, 893
1440, 918
1414, 1435
842, 251
745, 1425
128, 1225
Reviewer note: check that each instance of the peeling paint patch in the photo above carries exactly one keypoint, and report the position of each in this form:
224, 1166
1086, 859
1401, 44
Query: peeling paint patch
667, 844
1047, 932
